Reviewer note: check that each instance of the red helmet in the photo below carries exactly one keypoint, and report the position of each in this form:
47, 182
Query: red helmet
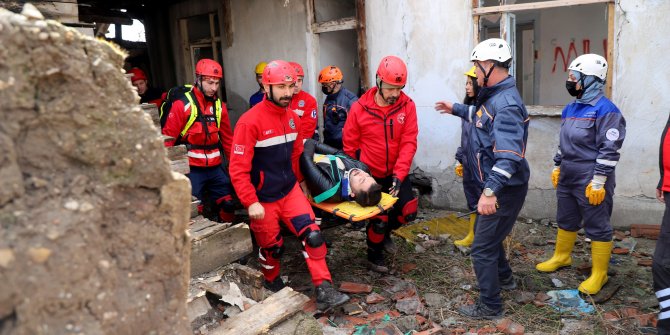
208, 67
137, 74
330, 74
278, 72
393, 71
298, 69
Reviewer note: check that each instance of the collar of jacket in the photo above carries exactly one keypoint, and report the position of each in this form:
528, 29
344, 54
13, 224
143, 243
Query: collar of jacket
486, 92
368, 100
272, 107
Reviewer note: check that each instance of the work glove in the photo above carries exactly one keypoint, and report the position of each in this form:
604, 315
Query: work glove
459, 169
555, 173
595, 191
395, 186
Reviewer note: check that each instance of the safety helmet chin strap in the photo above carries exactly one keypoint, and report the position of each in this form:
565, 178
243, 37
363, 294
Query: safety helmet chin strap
486, 75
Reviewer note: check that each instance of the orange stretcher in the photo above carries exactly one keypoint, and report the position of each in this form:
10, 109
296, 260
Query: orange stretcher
352, 211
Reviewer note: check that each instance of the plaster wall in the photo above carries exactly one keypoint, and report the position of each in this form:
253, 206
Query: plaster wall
435, 38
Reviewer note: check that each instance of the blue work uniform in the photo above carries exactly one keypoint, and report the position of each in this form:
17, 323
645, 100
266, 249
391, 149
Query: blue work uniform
256, 98
591, 135
471, 186
335, 110
498, 145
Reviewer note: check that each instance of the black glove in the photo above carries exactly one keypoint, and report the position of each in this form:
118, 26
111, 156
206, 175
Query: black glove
395, 186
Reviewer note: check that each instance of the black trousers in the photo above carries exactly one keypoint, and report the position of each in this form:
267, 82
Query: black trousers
661, 271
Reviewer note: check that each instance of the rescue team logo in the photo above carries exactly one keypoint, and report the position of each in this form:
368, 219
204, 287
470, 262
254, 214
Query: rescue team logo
268, 132
313, 113
291, 123
401, 118
238, 149
301, 103
612, 134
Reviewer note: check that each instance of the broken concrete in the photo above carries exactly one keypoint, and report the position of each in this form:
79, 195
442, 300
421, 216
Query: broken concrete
93, 220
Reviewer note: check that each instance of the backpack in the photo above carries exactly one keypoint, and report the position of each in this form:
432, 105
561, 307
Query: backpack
185, 93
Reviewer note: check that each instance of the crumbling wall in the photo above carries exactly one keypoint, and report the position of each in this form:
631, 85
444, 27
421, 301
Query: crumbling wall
92, 220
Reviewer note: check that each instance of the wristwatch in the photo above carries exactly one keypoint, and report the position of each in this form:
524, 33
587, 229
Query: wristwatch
488, 192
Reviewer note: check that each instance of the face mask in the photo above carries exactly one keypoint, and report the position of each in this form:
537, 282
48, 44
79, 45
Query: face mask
571, 86
325, 90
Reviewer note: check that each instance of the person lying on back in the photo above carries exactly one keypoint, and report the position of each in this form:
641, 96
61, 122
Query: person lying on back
332, 176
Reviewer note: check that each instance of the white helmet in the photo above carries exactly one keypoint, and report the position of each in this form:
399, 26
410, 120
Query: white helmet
590, 65
492, 49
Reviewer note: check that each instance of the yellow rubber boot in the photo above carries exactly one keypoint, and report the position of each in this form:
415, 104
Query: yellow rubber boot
467, 240
565, 241
600, 258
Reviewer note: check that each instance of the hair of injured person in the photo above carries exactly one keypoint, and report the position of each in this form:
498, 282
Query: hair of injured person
364, 189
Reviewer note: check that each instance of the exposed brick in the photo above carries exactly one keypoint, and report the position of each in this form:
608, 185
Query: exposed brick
407, 267
611, 316
644, 262
458, 331
433, 331
354, 320
509, 327
420, 319
650, 231
620, 251
406, 293
486, 331
310, 306
355, 288
374, 298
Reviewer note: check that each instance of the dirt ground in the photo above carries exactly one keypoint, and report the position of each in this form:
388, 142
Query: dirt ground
440, 270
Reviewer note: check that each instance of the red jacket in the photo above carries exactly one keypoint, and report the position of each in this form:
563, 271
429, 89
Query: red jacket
386, 137
264, 158
203, 146
304, 104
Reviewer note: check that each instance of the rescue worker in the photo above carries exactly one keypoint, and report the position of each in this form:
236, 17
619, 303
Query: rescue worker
148, 94
465, 156
258, 96
336, 106
592, 132
304, 104
660, 268
500, 135
200, 120
381, 131
265, 174
332, 176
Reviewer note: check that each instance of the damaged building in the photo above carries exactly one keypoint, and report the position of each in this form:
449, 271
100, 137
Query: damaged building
167, 38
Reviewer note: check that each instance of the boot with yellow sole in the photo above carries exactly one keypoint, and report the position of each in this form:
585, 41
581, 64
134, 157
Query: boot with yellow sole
565, 241
467, 240
600, 258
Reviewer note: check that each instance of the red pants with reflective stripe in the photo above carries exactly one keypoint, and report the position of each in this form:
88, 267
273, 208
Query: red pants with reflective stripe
292, 210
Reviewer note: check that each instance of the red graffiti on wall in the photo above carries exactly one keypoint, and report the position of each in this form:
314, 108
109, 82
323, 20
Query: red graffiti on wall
572, 53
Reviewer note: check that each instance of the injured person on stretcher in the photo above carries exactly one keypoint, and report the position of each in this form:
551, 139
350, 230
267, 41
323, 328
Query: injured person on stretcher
334, 177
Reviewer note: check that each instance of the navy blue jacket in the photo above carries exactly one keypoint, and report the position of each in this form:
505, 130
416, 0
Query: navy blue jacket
591, 136
335, 110
499, 137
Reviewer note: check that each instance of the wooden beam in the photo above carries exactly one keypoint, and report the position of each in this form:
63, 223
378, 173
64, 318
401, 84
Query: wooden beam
218, 245
611, 57
534, 5
228, 23
475, 23
345, 23
362, 46
261, 317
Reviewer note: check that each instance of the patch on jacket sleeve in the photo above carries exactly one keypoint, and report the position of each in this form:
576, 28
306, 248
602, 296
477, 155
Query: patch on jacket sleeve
238, 149
612, 134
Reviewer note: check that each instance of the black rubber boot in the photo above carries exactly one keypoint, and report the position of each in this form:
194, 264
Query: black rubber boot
328, 297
